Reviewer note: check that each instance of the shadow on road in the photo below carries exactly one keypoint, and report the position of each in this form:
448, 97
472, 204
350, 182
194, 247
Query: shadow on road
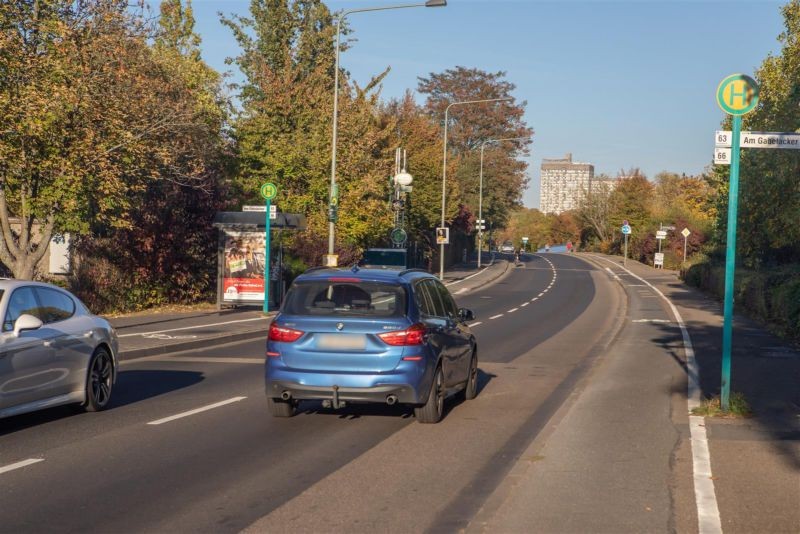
131, 387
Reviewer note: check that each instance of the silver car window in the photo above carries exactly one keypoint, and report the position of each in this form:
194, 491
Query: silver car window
55, 305
21, 301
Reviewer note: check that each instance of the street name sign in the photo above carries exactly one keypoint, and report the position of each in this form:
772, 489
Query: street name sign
661, 234
254, 208
790, 140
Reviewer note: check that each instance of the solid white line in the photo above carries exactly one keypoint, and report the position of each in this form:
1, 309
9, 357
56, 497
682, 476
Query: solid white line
651, 321
524, 304
195, 411
194, 327
202, 359
704, 493
496, 316
512, 310
475, 324
18, 465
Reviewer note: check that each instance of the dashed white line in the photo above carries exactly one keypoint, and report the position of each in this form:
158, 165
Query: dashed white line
540, 294
512, 310
496, 316
534, 299
475, 324
524, 304
18, 465
195, 411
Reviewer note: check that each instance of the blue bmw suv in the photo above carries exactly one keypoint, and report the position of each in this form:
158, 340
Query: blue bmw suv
370, 335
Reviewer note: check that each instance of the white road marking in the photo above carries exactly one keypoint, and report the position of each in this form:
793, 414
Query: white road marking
462, 290
194, 327
496, 316
475, 324
524, 304
202, 359
612, 273
534, 299
18, 465
651, 321
195, 411
634, 285
704, 492
512, 310
540, 294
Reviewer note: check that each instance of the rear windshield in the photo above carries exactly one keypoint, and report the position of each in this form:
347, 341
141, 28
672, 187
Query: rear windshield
345, 298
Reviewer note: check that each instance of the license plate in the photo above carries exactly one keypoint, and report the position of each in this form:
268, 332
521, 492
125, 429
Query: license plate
341, 341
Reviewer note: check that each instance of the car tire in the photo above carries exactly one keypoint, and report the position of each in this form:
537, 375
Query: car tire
433, 409
280, 407
99, 380
471, 389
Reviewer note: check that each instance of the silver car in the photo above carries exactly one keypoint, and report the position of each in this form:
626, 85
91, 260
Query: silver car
53, 351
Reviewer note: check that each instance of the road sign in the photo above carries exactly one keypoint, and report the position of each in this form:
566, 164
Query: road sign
525, 239
722, 138
626, 229
661, 234
663, 227
481, 227
330, 260
480, 221
335, 195
254, 208
443, 236
737, 94
789, 140
685, 232
722, 156
659, 260
399, 236
269, 191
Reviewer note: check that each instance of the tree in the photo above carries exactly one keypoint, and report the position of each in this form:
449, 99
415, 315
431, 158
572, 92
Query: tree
283, 131
471, 125
594, 212
91, 116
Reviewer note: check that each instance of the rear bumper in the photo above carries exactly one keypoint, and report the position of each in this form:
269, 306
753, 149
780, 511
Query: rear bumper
405, 393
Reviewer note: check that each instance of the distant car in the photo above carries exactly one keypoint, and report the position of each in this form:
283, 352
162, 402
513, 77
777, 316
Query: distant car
368, 335
53, 351
508, 246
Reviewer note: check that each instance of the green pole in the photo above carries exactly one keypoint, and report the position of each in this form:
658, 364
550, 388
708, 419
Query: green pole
625, 255
730, 265
266, 261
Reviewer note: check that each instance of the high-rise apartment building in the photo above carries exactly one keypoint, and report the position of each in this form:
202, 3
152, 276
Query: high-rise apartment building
563, 183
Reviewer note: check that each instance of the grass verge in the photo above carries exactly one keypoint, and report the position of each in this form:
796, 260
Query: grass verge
738, 407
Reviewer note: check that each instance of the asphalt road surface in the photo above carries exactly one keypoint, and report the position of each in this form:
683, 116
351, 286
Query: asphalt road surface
187, 445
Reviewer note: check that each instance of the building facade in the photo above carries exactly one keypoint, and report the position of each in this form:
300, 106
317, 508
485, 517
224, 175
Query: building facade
564, 183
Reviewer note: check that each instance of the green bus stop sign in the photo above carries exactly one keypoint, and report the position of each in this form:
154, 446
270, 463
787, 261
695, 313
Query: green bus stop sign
737, 94
269, 191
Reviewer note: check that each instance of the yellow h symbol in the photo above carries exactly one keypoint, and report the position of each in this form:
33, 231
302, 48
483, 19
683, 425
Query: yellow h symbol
743, 94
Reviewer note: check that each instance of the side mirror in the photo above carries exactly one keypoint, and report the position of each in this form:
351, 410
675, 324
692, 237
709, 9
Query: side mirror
466, 315
26, 322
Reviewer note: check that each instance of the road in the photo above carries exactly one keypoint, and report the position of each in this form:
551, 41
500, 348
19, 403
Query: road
545, 333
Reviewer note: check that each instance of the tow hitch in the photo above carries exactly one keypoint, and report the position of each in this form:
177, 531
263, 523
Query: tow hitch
335, 403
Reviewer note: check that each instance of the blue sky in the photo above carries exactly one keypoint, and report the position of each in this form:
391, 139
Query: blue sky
617, 84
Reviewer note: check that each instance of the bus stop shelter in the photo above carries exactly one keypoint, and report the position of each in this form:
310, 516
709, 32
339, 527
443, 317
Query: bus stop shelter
241, 257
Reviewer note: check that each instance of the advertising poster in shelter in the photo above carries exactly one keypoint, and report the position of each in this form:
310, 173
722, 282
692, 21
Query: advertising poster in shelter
243, 279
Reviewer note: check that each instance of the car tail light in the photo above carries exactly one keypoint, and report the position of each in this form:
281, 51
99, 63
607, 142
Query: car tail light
283, 334
413, 335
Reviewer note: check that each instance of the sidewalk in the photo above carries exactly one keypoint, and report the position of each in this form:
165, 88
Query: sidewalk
152, 334
755, 461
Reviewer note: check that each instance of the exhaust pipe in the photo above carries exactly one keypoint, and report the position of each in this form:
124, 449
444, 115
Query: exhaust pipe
391, 400
286, 395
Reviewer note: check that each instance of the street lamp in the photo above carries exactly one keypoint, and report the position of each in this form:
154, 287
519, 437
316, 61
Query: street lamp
444, 166
333, 198
480, 193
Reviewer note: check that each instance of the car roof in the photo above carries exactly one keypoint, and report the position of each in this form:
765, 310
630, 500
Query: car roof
11, 283
377, 275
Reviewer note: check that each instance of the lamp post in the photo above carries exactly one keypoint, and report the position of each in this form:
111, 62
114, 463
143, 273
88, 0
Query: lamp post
480, 193
333, 198
444, 166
